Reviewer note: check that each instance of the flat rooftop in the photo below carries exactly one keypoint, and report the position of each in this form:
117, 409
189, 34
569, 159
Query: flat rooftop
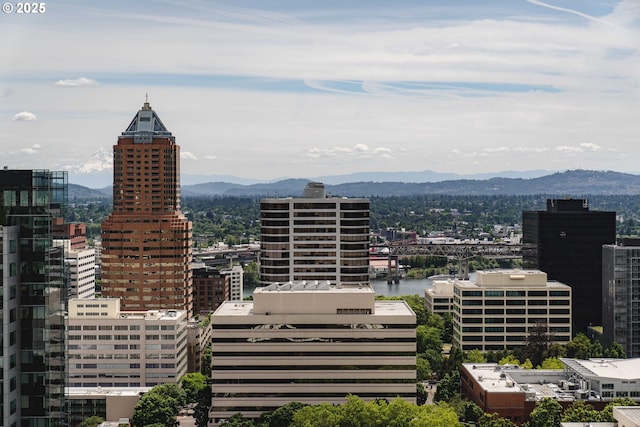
80, 392
622, 369
382, 308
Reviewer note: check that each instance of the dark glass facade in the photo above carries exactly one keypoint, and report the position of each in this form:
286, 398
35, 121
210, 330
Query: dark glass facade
34, 298
565, 241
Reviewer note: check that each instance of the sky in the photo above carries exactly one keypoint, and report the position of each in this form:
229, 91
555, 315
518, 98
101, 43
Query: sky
268, 89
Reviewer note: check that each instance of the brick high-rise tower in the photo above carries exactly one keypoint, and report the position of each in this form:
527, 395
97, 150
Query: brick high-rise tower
146, 241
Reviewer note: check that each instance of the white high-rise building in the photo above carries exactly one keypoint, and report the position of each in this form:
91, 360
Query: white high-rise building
107, 347
503, 307
80, 266
310, 343
314, 238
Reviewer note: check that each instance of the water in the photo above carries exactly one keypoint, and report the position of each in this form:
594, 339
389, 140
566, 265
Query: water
405, 287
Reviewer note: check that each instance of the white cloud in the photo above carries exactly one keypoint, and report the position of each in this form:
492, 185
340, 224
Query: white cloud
580, 148
82, 81
25, 116
358, 150
101, 160
187, 155
34, 149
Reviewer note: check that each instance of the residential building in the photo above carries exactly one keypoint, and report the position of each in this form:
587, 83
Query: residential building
146, 240
565, 241
314, 237
621, 295
502, 308
310, 343
32, 303
439, 297
107, 347
512, 392
210, 288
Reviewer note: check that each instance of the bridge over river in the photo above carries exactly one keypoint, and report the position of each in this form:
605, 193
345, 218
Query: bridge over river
459, 251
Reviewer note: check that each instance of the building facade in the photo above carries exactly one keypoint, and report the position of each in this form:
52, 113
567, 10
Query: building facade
33, 299
504, 307
235, 273
314, 238
310, 343
146, 240
565, 241
439, 297
621, 295
107, 347
210, 288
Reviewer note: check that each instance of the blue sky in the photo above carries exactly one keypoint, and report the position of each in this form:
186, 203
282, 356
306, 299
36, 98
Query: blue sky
269, 89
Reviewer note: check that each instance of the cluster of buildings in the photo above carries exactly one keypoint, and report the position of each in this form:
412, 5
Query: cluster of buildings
67, 355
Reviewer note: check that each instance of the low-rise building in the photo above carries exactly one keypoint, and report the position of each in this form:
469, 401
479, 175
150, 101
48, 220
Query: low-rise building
512, 392
503, 307
110, 403
107, 347
311, 343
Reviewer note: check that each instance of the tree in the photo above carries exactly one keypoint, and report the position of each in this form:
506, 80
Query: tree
494, 420
160, 405
192, 384
251, 275
469, 412
475, 356
428, 338
538, 341
237, 420
448, 387
580, 411
552, 363
527, 364
547, 413
509, 359
205, 368
421, 394
606, 415
92, 421
579, 347
423, 369
281, 417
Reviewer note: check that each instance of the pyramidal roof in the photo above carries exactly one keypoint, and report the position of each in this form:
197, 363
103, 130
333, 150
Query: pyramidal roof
146, 123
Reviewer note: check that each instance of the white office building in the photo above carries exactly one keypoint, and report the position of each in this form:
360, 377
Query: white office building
107, 347
314, 237
311, 343
502, 307
236, 275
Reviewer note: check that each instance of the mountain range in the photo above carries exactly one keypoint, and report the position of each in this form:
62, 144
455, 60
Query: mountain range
562, 184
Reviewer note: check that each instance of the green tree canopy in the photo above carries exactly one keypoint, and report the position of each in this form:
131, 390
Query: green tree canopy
547, 413
160, 405
580, 411
192, 384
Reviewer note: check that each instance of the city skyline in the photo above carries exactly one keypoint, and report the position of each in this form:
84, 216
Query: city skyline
299, 89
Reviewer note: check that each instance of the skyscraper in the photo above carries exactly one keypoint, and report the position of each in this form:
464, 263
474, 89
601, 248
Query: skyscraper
314, 238
621, 295
33, 298
565, 241
146, 240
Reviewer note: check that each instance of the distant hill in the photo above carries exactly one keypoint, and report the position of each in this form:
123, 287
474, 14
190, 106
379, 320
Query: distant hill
569, 183
80, 192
